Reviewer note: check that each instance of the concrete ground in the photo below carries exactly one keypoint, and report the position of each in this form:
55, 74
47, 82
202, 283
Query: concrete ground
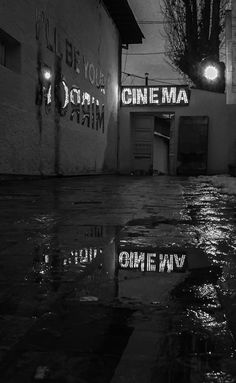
117, 280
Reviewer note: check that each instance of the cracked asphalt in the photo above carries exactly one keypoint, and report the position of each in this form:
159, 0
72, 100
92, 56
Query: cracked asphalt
117, 279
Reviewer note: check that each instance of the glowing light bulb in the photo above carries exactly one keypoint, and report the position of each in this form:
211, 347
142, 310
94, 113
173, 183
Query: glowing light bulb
211, 72
47, 74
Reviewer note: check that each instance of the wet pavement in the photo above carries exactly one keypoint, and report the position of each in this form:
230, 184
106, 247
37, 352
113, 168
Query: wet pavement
117, 280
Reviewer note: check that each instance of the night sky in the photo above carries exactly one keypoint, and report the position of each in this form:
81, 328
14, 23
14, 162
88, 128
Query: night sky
155, 64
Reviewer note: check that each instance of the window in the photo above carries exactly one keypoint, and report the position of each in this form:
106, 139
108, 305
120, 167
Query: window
10, 52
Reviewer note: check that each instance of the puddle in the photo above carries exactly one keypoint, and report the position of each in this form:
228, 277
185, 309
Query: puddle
199, 343
83, 344
87, 284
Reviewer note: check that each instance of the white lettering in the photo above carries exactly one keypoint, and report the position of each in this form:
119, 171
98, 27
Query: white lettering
90, 254
165, 261
169, 96
75, 96
153, 97
162, 95
179, 261
102, 82
134, 96
124, 259
66, 90
86, 97
142, 96
126, 96
83, 257
49, 95
151, 266
182, 96
139, 259
131, 259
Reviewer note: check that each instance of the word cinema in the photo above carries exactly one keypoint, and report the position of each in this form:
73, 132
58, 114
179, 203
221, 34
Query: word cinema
152, 261
151, 96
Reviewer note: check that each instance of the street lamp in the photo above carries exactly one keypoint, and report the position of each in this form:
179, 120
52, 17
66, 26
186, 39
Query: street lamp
211, 72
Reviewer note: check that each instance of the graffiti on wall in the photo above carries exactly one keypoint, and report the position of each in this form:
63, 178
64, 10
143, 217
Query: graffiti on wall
81, 106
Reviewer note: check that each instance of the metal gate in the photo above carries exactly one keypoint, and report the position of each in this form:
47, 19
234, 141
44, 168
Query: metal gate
193, 145
142, 144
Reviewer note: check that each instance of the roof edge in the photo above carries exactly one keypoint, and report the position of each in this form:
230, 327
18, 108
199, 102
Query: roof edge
122, 15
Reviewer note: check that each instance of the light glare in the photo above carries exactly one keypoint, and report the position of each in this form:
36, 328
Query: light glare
211, 72
47, 74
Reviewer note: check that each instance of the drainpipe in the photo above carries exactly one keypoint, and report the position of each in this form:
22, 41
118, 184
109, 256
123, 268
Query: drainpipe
146, 78
118, 107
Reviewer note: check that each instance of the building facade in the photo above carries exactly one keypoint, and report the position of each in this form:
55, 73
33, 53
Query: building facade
228, 50
59, 79
170, 130
191, 137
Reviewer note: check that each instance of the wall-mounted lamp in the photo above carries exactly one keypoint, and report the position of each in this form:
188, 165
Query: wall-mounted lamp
46, 73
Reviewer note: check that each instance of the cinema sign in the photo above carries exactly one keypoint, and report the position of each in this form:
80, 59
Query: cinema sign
154, 96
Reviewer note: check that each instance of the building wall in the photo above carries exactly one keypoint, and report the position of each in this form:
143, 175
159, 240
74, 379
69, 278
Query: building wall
79, 43
229, 52
221, 135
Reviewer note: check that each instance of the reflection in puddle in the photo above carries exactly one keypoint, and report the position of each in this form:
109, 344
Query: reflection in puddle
82, 256
207, 321
199, 346
82, 268
151, 260
99, 266
205, 291
81, 263
218, 377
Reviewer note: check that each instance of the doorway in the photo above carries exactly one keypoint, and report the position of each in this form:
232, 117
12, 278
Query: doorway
193, 145
142, 144
161, 144
151, 137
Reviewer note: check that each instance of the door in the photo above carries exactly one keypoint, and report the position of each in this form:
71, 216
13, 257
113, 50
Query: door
193, 145
160, 155
142, 144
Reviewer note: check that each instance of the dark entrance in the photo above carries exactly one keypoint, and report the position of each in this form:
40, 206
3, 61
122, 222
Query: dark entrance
142, 140
193, 145
151, 142
161, 144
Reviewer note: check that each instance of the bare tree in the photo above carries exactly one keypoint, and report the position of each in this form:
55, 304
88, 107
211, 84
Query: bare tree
193, 30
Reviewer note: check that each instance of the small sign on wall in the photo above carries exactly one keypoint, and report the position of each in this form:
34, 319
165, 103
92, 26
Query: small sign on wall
154, 96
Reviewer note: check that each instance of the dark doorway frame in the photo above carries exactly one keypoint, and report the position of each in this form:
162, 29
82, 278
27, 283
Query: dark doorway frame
172, 158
